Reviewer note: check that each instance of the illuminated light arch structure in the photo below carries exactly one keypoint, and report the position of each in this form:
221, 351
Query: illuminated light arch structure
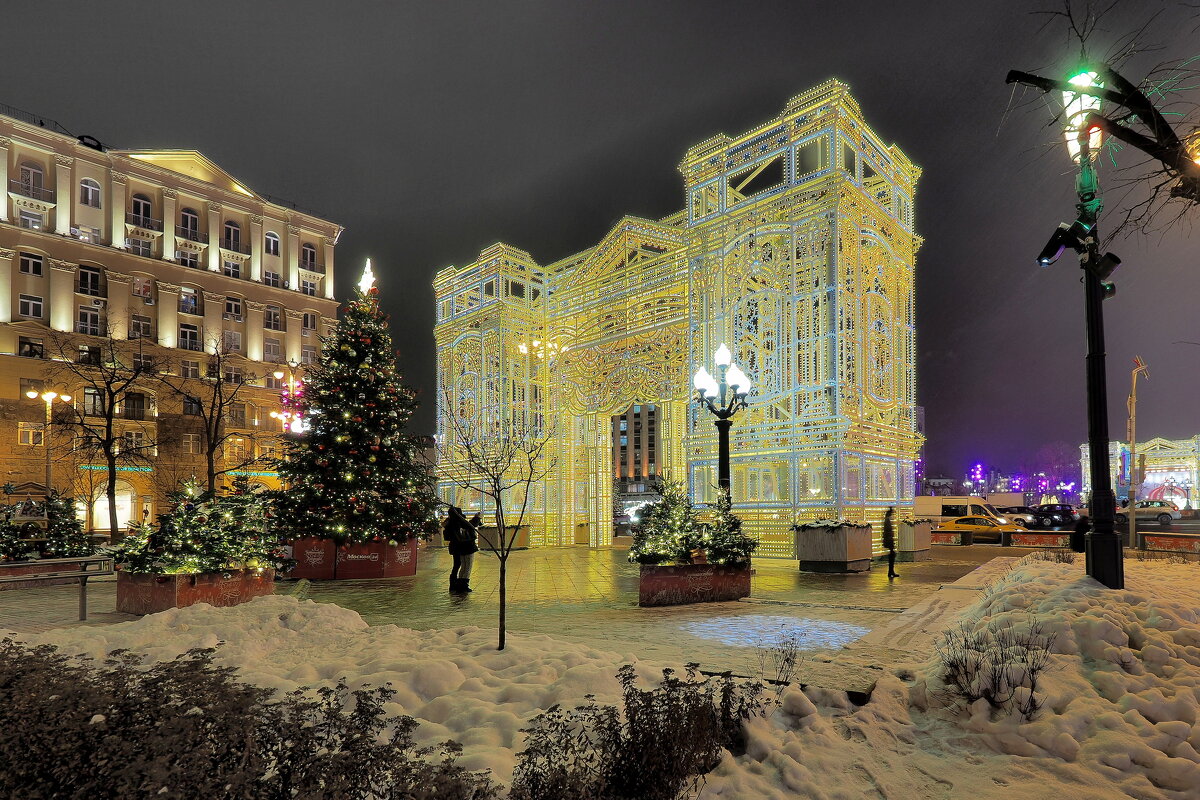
796, 247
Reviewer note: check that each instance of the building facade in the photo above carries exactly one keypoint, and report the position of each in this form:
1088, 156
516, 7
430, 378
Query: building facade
1171, 469
796, 248
159, 257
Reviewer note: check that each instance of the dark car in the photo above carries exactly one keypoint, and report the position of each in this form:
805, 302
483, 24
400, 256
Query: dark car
1059, 513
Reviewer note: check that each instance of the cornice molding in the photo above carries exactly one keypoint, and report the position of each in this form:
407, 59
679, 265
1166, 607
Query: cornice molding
63, 266
119, 177
64, 161
215, 206
213, 297
169, 194
163, 286
5, 142
6, 253
117, 277
293, 230
254, 305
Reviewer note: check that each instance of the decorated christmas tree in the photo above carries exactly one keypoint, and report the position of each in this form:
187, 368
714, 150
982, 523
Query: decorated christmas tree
724, 541
64, 532
202, 532
667, 530
353, 474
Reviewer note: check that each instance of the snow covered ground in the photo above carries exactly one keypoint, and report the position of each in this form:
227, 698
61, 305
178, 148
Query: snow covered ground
1120, 716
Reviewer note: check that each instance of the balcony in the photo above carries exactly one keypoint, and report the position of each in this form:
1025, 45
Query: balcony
87, 328
33, 192
191, 234
142, 221
189, 344
137, 413
235, 246
313, 266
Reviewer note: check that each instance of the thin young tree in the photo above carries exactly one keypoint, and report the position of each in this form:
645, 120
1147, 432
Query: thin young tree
210, 401
502, 460
111, 418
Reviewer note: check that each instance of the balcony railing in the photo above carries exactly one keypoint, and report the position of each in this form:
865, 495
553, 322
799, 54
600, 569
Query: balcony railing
187, 344
312, 266
135, 413
191, 234
87, 328
142, 221
236, 246
31, 191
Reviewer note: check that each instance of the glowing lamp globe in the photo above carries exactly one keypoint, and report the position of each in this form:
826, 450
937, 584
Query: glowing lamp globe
723, 357
1076, 107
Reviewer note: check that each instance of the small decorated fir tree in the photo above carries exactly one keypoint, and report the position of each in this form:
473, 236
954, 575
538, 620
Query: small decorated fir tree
667, 530
724, 541
354, 473
65, 537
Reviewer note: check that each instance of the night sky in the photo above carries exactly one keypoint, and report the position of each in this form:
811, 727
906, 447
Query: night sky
433, 129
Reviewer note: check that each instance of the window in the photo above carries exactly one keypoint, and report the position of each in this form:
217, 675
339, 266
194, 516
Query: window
308, 256
231, 236
189, 303
31, 176
273, 318
140, 247
237, 414
189, 337
233, 269
89, 281
89, 193
143, 210
31, 220
143, 287
308, 354
29, 347
272, 243
30, 433
308, 287
237, 449
30, 306
143, 362
189, 369
272, 279
191, 406
189, 223
233, 308
191, 443
232, 374
87, 234
132, 441
139, 327
93, 402
232, 341
271, 382
308, 322
32, 385
89, 354
271, 351
31, 264
89, 321
134, 406
187, 258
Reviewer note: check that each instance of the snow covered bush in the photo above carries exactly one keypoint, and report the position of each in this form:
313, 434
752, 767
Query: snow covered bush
186, 728
658, 748
999, 663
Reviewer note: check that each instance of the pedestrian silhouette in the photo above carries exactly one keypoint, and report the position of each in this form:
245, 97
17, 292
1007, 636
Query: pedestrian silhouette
889, 542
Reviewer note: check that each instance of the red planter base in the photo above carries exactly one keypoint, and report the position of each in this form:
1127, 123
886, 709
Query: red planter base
144, 593
323, 560
1040, 540
691, 583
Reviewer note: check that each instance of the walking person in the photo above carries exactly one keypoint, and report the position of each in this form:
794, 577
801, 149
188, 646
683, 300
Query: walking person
889, 541
460, 536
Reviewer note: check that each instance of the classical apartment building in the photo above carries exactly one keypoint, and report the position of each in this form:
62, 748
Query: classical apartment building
169, 255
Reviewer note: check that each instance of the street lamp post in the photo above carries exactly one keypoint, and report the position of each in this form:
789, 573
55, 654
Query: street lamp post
289, 414
729, 390
48, 397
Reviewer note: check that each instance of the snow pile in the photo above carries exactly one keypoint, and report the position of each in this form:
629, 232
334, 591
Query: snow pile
453, 682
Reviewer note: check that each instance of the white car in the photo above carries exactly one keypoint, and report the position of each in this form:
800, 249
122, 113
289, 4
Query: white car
1162, 510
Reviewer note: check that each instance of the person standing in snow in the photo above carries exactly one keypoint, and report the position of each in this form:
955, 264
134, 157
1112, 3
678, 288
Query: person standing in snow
889, 542
1079, 534
460, 535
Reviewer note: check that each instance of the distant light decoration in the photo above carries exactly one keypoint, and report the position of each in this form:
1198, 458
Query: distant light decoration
977, 473
1076, 108
1016, 483
291, 401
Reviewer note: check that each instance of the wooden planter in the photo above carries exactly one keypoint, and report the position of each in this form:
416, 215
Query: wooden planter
323, 560
147, 593
487, 535
691, 583
842, 548
913, 542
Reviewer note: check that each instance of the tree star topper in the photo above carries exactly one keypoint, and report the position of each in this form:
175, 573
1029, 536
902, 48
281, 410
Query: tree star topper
367, 284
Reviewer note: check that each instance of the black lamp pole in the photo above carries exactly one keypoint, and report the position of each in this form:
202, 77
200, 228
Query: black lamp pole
730, 398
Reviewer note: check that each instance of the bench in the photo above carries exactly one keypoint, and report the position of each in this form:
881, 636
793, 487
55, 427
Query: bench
83, 567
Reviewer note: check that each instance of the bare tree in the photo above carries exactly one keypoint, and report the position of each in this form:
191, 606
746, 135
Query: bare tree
502, 460
112, 418
211, 400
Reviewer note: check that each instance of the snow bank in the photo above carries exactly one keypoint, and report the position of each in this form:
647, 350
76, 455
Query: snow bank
454, 682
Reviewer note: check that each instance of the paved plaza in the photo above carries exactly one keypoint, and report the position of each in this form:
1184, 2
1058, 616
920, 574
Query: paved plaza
581, 594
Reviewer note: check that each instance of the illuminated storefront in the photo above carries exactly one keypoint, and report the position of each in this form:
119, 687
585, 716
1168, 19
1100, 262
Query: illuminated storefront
1172, 468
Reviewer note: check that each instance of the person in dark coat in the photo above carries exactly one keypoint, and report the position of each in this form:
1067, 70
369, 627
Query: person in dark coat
460, 537
1079, 534
889, 542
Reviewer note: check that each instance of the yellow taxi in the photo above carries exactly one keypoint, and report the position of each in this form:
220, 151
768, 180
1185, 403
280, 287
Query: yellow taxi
981, 528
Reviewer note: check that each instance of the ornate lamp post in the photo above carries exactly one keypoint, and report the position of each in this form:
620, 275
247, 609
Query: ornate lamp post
49, 398
729, 390
289, 414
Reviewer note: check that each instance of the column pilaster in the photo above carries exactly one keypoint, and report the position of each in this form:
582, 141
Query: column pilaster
170, 198
214, 237
292, 265
116, 208
6, 273
254, 330
168, 314
64, 196
118, 304
5, 146
328, 282
256, 247
62, 295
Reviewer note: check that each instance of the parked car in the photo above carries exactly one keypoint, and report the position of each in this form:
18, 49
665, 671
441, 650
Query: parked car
1022, 515
981, 528
1161, 510
1059, 513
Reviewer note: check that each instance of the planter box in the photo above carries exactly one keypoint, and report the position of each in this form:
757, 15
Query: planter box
323, 560
912, 543
1171, 542
1038, 540
487, 535
146, 593
691, 583
622, 542
839, 549
950, 537
583, 534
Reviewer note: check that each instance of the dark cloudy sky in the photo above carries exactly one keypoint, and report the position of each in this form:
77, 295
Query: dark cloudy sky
432, 129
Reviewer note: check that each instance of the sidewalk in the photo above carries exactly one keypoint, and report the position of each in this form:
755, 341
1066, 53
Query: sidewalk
580, 594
